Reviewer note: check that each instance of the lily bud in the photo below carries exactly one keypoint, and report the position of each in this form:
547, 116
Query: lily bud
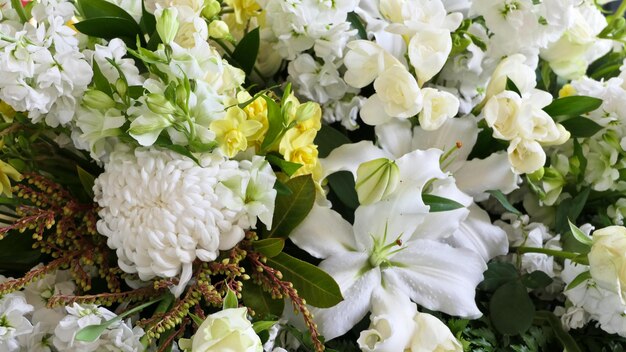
98, 100
376, 179
167, 24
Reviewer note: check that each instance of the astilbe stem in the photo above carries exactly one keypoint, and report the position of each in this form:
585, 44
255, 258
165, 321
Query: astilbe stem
271, 281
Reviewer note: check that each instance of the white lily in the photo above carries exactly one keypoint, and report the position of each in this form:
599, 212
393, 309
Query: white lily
394, 243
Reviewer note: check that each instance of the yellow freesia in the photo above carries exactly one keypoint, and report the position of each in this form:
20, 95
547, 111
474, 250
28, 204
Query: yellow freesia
8, 172
232, 132
256, 111
244, 10
298, 147
567, 91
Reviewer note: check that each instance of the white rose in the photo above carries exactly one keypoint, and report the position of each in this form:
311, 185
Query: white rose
526, 156
432, 335
397, 95
536, 124
365, 61
516, 70
227, 330
607, 259
438, 106
501, 112
428, 51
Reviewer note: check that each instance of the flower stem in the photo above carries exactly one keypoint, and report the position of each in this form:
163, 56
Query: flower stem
575, 257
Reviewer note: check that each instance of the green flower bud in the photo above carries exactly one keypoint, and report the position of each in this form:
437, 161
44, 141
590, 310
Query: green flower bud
167, 24
121, 87
211, 8
218, 29
376, 179
98, 100
159, 104
307, 110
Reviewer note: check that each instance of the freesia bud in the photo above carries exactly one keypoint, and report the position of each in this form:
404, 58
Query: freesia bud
167, 24
218, 29
98, 100
376, 179
211, 8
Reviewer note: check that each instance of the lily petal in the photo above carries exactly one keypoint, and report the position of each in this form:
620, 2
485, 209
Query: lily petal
395, 137
324, 233
438, 277
348, 157
477, 176
478, 234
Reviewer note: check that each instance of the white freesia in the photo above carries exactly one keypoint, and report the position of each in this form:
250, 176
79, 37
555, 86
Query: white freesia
438, 106
501, 113
526, 156
428, 51
515, 69
397, 95
227, 330
365, 61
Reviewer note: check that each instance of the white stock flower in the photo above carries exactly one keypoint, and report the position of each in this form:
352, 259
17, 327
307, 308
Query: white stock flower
160, 211
57, 283
397, 95
119, 336
438, 107
318, 82
13, 322
345, 111
501, 112
115, 50
227, 330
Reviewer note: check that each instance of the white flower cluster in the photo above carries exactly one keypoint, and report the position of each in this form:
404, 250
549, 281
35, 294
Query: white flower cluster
43, 71
161, 210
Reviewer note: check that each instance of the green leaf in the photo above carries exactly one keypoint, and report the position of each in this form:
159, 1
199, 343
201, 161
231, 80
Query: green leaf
100, 81
579, 279
536, 279
570, 209
581, 127
178, 149
510, 85
579, 235
275, 120
281, 189
230, 300
572, 106
247, 50
288, 167
500, 197
327, 139
342, 183
355, 22
439, 204
102, 8
147, 21
109, 28
498, 274
292, 209
568, 342
313, 284
17, 6
91, 333
263, 325
87, 180
196, 319
606, 67
269, 247
260, 301
511, 309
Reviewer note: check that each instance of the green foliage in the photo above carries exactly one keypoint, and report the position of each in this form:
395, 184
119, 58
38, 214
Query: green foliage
291, 209
261, 302
246, 51
313, 284
439, 204
269, 247
501, 198
327, 139
569, 107
286, 166
230, 300
355, 22
581, 126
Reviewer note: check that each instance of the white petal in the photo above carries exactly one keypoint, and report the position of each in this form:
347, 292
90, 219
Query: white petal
420, 166
348, 157
492, 173
477, 233
373, 111
438, 277
336, 321
462, 130
323, 233
395, 137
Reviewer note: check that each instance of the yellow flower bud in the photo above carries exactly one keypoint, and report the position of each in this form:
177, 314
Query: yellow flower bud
7, 171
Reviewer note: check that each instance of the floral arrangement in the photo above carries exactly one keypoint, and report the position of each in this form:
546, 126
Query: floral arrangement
300, 175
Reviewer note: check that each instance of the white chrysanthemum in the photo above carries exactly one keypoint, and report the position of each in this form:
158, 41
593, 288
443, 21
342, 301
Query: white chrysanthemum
119, 336
160, 211
13, 323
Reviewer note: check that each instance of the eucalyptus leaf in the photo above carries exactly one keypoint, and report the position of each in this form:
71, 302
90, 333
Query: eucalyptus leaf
439, 204
291, 209
269, 247
313, 284
511, 309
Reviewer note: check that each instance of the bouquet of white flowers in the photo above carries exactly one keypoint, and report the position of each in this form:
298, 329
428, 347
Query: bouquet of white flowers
307, 175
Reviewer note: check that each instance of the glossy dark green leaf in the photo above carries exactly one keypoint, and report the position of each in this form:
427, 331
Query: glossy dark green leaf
327, 139
148, 21
109, 28
498, 274
511, 309
579, 279
260, 301
572, 106
288, 167
281, 189
439, 204
269, 247
355, 22
275, 120
313, 284
102, 8
263, 325
247, 50
510, 85
536, 279
501, 198
87, 180
292, 209
581, 127
100, 81
342, 183
568, 342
